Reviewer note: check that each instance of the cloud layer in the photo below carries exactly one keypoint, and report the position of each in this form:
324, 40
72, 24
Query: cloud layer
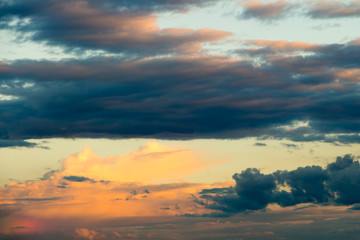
320, 9
189, 96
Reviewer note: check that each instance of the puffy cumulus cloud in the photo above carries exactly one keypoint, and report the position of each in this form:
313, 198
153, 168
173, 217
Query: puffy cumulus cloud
152, 163
94, 25
265, 11
337, 184
334, 9
89, 188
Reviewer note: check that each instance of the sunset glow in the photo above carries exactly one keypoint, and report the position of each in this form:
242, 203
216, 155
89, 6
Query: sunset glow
186, 119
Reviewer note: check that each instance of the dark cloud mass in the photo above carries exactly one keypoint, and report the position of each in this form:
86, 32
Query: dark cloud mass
184, 97
104, 25
338, 184
16, 143
24, 7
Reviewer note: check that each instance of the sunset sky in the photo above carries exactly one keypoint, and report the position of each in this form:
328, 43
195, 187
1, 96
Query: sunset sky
179, 119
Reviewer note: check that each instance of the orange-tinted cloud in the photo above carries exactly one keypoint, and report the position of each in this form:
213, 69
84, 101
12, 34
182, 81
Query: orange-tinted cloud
93, 25
285, 45
265, 11
351, 75
334, 9
90, 187
152, 163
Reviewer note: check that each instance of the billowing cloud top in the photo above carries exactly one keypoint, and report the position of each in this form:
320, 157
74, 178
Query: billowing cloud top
338, 183
91, 189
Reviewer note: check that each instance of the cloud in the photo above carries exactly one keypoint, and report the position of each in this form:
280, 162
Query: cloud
316, 223
320, 9
119, 209
207, 97
337, 184
16, 143
334, 9
22, 7
139, 183
37, 199
290, 146
265, 11
89, 234
133, 167
282, 45
162, 5
94, 25
77, 179
259, 144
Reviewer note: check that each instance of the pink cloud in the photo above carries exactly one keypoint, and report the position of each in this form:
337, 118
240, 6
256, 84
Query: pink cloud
265, 11
285, 45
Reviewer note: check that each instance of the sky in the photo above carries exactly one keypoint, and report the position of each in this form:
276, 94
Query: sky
188, 119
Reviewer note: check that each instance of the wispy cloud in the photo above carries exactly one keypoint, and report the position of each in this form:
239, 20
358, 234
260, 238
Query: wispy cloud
265, 11
334, 9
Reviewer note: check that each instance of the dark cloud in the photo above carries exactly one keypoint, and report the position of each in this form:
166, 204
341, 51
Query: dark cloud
290, 145
78, 179
344, 179
259, 144
160, 5
184, 97
25, 8
19, 227
338, 184
16, 143
112, 97
355, 207
253, 191
103, 25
